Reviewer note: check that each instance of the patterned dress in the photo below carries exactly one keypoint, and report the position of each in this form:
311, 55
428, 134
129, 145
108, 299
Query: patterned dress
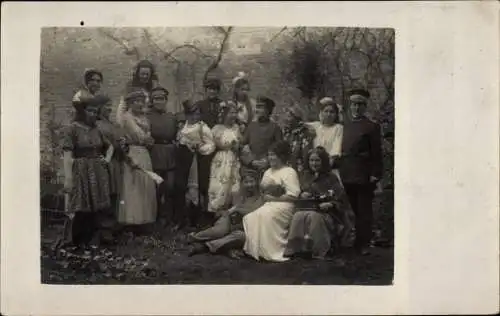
91, 190
301, 140
225, 168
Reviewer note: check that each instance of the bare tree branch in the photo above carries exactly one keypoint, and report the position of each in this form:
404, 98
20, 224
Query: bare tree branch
222, 49
278, 34
169, 54
128, 49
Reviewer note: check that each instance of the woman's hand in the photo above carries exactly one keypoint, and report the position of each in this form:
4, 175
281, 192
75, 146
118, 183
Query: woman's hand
306, 195
334, 160
235, 146
149, 141
269, 198
325, 206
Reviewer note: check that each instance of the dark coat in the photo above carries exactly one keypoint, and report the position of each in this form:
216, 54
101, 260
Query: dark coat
361, 152
209, 110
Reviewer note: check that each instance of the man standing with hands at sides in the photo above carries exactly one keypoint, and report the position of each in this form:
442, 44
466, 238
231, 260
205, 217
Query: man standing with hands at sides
361, 165
209, 111
163, 131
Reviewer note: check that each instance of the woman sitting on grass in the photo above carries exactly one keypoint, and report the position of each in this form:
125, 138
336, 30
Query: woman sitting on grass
227, 234
323, 214
266, 228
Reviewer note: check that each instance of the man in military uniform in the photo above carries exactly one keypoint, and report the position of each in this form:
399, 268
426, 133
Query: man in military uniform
361, 165
164, 131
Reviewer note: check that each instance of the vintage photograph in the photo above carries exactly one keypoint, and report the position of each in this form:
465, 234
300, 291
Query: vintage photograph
217, 155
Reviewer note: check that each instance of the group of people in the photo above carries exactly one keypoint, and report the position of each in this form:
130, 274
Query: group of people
268, 192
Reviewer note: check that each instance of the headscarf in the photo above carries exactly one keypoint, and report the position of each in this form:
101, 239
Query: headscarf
240, 79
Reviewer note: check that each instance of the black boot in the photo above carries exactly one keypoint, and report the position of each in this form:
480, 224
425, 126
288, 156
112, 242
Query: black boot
198, 249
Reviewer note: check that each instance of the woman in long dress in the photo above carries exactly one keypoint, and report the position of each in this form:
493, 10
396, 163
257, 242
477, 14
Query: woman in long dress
138, 194
86, 173
266, 228
328, 130
323, 215
225, 168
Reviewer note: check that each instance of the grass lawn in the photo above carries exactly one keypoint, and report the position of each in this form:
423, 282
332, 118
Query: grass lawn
162, 259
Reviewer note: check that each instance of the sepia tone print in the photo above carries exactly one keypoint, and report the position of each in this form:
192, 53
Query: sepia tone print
217, 155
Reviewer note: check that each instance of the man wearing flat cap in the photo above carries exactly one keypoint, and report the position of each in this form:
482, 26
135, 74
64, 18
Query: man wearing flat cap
209, 111
361, 165
164, 131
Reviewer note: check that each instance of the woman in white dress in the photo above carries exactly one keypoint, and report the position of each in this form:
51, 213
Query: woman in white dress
225, 168
328, 130
266, 228
138, 198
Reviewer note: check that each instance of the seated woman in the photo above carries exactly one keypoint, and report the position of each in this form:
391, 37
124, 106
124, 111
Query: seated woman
227, 232
266, 229
322, 210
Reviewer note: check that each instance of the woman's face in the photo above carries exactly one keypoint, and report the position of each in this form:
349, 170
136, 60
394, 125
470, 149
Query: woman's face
274, 160
231, 116
315, 162
358, 109
137, 105
91, 113
242, 92
144, 74
249, 184
106, 110
328, 115
94, 83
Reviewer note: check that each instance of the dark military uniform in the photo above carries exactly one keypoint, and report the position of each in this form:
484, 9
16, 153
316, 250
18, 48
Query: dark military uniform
164, 132
361, 159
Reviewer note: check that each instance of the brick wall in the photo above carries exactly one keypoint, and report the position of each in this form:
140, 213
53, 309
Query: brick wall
65, 55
